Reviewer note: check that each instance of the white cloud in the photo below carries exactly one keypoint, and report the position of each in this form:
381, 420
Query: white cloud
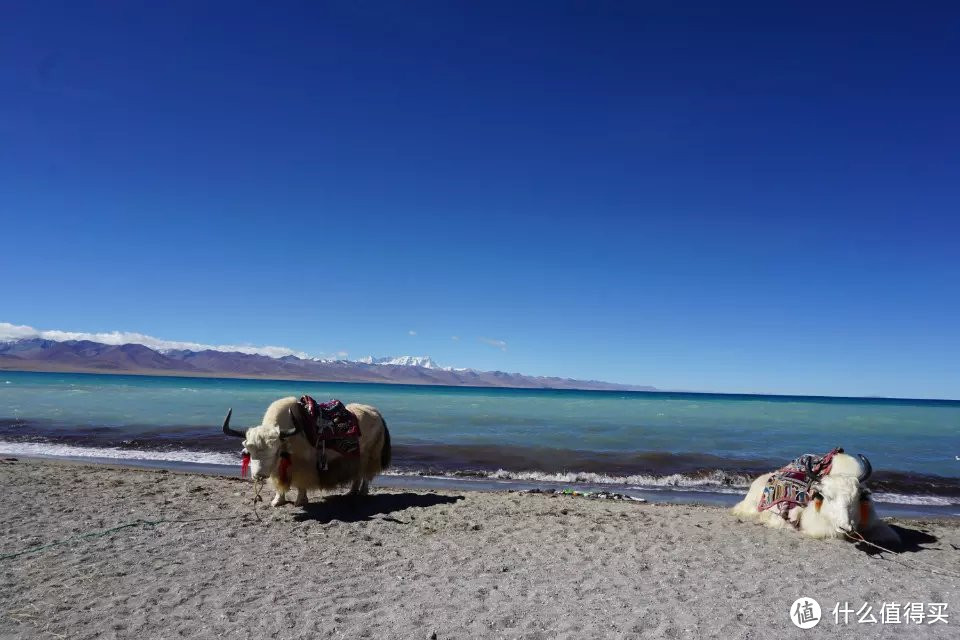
499, 344
412, 332
456, 338
342, 355
16, 332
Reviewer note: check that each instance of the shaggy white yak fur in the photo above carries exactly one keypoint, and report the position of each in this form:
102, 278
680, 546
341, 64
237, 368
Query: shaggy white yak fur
265, 442
840, 505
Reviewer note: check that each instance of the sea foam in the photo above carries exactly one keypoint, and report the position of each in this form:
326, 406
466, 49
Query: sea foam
43, 449
718, 481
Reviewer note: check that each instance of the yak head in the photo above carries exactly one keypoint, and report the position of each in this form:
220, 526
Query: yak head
265, 444
839, 502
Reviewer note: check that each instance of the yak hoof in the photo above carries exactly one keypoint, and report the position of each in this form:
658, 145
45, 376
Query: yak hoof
278, 500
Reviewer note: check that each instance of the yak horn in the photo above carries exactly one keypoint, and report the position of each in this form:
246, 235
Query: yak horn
867, 468
809, 464
227, 431
294, 430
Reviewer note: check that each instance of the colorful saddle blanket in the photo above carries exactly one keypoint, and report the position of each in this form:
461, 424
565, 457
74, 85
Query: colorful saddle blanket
332, 425
790, 486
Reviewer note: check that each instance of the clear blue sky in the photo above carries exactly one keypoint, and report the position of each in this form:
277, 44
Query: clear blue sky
758, 197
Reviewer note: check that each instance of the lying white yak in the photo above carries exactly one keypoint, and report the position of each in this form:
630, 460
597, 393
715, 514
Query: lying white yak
834, 504
280, 451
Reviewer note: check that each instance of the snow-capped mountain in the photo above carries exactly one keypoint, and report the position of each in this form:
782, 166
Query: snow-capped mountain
406, 361
26, 349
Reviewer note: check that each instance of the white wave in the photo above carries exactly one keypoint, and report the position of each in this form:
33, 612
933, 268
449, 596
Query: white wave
718, 480
715, 482
714, 479
899, 498
115, 453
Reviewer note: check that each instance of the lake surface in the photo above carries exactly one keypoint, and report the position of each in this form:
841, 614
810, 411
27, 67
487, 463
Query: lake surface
683, 442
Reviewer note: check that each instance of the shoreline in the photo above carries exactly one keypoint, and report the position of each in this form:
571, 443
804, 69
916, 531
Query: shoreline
424, 481
652, 471
423, 563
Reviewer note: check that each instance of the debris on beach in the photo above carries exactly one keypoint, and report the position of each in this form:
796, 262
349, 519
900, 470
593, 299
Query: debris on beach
590, 495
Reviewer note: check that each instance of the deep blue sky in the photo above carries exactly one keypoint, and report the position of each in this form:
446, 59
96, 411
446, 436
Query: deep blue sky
761, 197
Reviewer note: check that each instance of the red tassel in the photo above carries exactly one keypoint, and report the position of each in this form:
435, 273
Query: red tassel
284, 466
244, 465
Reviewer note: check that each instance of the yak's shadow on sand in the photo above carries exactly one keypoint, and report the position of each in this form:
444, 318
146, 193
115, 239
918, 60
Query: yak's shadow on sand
347, 508
910, 541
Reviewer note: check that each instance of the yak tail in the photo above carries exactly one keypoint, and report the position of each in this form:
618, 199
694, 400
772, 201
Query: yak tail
385, 453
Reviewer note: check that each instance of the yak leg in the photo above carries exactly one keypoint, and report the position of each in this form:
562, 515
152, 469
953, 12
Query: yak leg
360, 487
301, 498
279, 499
355, 487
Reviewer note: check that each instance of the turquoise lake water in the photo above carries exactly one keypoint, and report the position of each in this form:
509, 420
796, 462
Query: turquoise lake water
667, 439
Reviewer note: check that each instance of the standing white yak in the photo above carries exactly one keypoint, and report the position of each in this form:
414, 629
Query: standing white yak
279, 450
824, 504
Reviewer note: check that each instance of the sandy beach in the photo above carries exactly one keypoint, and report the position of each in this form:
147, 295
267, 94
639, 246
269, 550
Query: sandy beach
403, 564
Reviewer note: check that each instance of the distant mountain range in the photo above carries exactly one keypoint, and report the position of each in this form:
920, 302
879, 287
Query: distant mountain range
85, 356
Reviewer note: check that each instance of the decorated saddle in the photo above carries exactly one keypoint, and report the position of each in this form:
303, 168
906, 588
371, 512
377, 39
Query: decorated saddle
789, 487
330, 424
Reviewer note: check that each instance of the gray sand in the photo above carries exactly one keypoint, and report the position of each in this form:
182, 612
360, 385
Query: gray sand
410, 564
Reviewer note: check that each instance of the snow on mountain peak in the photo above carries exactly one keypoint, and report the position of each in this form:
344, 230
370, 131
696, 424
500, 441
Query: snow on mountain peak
404, 361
